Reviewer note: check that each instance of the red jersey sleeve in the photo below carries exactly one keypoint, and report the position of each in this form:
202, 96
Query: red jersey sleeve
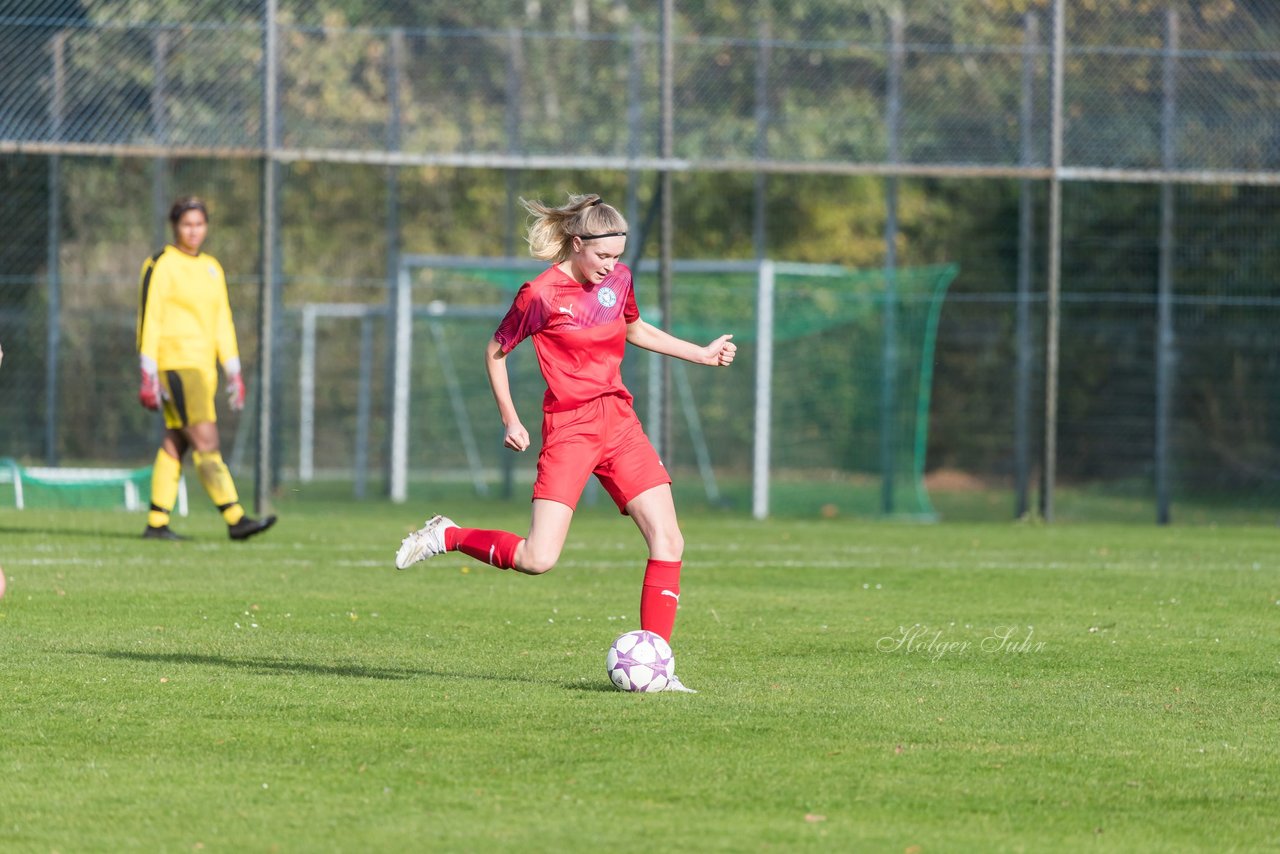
525, 317
630, 313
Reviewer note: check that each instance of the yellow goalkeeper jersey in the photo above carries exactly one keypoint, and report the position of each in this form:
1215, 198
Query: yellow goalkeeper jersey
184, 315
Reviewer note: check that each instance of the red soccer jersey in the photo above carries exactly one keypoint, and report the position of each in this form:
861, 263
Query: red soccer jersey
579, 332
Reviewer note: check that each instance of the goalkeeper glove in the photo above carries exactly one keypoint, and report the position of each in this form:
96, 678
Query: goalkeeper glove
149, 391
235, 392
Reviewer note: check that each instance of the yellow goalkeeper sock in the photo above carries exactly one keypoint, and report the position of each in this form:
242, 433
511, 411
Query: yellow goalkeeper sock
165, 474
218, 483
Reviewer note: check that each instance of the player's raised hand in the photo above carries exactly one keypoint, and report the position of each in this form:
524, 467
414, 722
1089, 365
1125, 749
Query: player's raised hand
149, 390
720, 352
235, 392
517, 438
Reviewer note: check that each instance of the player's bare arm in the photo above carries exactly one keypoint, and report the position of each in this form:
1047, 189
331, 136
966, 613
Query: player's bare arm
719, 353
515, 437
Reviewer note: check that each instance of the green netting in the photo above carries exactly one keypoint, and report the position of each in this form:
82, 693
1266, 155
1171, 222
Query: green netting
74, 488
833, 450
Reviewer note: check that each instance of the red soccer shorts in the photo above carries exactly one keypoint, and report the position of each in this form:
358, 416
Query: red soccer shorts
602, 437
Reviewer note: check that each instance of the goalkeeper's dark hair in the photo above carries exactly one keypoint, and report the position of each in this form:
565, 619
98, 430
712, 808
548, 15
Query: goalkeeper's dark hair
184, 204
552, 230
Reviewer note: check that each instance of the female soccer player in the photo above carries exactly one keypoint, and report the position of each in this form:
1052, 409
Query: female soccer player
581, 313
184, 330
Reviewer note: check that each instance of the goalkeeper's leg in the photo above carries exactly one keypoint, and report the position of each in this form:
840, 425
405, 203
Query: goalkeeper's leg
166, 472
217, 481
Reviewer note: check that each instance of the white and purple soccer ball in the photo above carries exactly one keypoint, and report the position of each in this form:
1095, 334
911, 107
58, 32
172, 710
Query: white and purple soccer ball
640, 661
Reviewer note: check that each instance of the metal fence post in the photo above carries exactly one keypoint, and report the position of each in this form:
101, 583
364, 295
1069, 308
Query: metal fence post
638, 236
515, 145
160, 192
53, 329
889, 375
1022, 380
395, 68
667, 228
1165, 344
1053, 298
268, 294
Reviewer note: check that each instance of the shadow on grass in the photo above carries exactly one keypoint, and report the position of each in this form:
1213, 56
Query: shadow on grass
358, 671
263, 665
70, 531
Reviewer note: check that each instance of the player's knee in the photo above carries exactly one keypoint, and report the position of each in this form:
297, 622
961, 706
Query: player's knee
536, 566
534, 561
667, 542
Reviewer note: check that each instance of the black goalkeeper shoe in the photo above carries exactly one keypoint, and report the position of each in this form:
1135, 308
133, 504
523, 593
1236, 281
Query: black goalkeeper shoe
248, 526
164, 532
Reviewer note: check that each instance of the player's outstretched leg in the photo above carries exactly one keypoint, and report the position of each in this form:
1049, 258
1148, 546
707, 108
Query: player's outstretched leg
441, 534
427, 541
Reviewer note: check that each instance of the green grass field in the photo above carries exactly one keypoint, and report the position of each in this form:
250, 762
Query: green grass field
298, 694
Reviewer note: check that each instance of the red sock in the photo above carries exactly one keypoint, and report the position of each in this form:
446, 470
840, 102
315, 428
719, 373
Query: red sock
496, 548
660, 597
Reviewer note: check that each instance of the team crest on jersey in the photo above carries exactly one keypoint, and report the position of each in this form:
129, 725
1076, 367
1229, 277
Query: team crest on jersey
607, 297
213, 271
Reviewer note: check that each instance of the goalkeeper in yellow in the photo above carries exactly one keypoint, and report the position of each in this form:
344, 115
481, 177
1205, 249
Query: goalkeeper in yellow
184, 331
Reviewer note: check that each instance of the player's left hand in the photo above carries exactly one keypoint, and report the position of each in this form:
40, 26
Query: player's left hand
720, 352
235, 392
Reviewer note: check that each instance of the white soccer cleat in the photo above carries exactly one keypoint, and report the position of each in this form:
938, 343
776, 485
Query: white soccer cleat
427, 541
674, 684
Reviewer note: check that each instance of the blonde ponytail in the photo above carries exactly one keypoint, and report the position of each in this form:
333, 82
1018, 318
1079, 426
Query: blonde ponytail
552, 231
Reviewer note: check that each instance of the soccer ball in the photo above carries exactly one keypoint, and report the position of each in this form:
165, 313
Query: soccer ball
640, 661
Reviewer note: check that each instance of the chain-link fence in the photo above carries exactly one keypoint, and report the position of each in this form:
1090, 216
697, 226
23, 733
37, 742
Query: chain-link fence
807, 132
